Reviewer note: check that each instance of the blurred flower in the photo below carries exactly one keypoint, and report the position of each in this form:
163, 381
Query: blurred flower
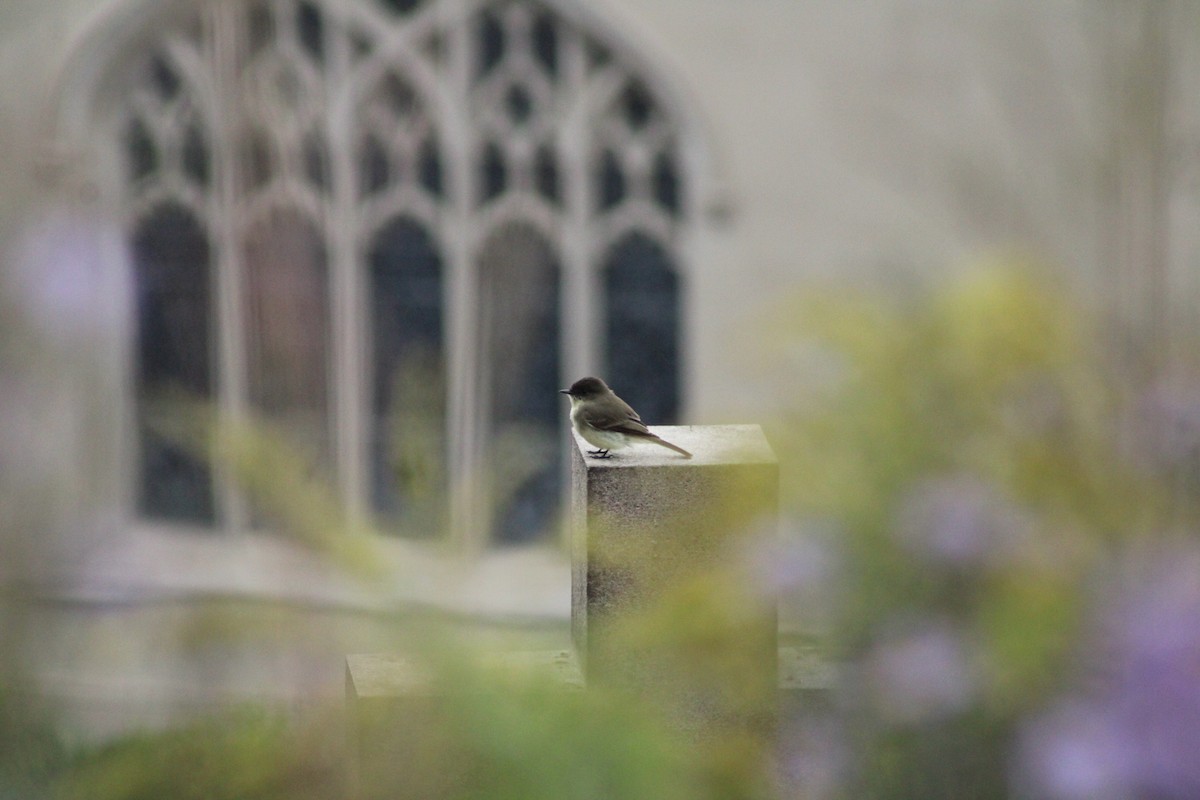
798, 570
62, 279
1137, 733
798, 559
1073, 753
958, 520
920, 674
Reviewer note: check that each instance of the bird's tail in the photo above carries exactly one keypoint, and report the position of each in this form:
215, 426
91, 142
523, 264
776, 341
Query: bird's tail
659, 440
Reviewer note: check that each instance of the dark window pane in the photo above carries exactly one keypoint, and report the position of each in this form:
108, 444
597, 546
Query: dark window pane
195, 154
494, 176
430, 167
491, 43
400, 7
546, 174
310, 27
545, 43
598, 55
610, 181
176, 485
164, 79
140, 150
287, 329
642, 318
171, 253
666, 183
372, 166
316, 163
637, 105
408, 423
519, 329
520, 104
397, 96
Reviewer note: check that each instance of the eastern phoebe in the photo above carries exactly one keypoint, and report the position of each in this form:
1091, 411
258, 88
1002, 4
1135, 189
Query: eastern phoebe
606, 421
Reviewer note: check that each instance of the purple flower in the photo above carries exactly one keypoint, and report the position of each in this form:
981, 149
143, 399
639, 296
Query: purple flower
799, 558
63, 278
1136, 733
958, 521
1073, 753
920, 674
798, 570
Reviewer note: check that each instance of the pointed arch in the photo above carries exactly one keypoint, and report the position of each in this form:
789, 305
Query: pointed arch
382, 160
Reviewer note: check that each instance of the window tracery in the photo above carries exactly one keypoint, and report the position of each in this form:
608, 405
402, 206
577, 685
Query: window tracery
304, 183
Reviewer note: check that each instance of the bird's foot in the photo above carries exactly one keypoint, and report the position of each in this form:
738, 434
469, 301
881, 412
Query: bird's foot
599, 454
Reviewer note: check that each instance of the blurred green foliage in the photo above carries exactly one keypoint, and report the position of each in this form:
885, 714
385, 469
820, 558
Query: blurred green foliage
482, 732
991, 378
31, 753
965, 450
994, 374
968, 452
242, 754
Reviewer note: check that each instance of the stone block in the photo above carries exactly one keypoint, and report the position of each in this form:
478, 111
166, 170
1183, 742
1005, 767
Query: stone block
645, 522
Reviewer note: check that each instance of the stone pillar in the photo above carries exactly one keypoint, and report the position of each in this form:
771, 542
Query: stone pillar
654, 534
650, 525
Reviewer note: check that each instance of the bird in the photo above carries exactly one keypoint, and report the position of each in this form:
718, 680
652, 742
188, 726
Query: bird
607, 422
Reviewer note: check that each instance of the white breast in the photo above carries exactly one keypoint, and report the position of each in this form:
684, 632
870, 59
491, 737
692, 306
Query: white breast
603, 440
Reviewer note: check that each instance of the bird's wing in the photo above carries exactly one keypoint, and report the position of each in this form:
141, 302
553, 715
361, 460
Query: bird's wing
633, 427
625, 420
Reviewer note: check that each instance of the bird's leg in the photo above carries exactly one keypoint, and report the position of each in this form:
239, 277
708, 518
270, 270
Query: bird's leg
598, 453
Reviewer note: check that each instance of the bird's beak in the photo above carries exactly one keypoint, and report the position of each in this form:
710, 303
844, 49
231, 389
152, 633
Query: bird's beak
564, 391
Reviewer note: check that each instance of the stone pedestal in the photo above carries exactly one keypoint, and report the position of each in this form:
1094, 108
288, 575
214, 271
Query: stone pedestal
646, 525
649, 526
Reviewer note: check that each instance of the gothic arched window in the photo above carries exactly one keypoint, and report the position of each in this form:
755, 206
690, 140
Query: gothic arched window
392, 229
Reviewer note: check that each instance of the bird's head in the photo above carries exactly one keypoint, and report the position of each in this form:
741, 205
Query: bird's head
585, 389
